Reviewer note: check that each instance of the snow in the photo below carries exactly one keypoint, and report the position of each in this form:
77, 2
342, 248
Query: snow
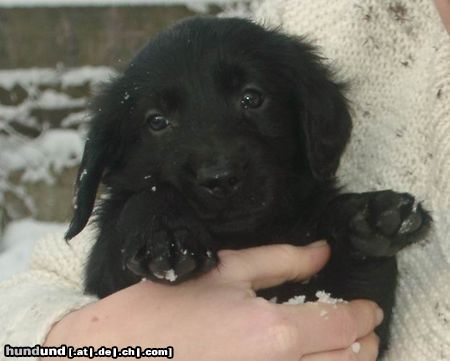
54, 149
26, 77
74, 119
356, 347
324, 297
296, 300
10, 113
17, 243
49, 76
169, 275
51, 152
86, 74
34, 79
50, 99
83, 174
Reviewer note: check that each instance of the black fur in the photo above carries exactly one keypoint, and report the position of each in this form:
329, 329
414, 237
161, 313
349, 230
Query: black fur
254, 130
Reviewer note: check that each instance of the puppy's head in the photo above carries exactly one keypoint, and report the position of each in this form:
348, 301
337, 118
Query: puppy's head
245, 122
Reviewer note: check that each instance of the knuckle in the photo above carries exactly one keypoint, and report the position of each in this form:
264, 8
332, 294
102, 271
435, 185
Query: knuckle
262, 303
265, 314
348, 331
282, 337
286, 250
289, 253
230, 261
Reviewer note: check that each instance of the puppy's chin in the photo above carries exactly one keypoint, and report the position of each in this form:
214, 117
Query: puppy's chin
239, 223
238, 216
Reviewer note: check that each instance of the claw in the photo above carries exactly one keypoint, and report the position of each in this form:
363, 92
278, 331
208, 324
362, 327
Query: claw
185, 265
410, 224
159, 265
210, 261
168, 275
136, 264
393, 221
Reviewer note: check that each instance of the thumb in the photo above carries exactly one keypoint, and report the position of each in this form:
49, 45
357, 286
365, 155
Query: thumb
268, 266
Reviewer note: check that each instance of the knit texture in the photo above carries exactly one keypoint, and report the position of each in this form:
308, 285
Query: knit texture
396, 57
32, 302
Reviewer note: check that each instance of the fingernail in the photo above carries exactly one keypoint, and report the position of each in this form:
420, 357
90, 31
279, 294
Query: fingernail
317, 244
379, 315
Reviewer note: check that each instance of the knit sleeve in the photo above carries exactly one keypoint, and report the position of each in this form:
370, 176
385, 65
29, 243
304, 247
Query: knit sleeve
439, 171
32, 302
396, 57
269, 13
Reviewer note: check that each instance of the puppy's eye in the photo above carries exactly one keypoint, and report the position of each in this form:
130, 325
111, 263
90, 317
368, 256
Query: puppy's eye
156, 121
251, 99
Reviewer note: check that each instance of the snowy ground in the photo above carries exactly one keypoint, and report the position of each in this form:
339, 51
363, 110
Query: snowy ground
17, 244
39, 159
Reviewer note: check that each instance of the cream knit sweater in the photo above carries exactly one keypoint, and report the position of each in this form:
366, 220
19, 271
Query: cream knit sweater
397, 56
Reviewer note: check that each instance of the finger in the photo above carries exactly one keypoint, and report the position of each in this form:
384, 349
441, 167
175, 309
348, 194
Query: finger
327, 327
365, 349
268, 266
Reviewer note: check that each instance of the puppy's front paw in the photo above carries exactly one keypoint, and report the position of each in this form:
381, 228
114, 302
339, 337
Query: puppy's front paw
169, 251
386, 222
162, 239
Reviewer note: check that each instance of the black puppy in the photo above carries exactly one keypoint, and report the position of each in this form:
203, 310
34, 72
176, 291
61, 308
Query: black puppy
222, 134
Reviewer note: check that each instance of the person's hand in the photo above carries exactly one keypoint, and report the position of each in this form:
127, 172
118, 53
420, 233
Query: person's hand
443, 7
218, 316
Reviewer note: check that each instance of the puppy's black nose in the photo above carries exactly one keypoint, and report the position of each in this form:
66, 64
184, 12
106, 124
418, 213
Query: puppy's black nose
219, 182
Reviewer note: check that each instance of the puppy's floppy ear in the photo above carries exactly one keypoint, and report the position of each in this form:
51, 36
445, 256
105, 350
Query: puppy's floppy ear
102, 149
325, 119
87, 182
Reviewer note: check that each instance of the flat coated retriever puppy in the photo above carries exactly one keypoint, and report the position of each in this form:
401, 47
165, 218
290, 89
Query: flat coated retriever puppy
223, 134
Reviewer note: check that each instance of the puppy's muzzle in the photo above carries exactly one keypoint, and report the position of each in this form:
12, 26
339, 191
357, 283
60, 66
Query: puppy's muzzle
219, 181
